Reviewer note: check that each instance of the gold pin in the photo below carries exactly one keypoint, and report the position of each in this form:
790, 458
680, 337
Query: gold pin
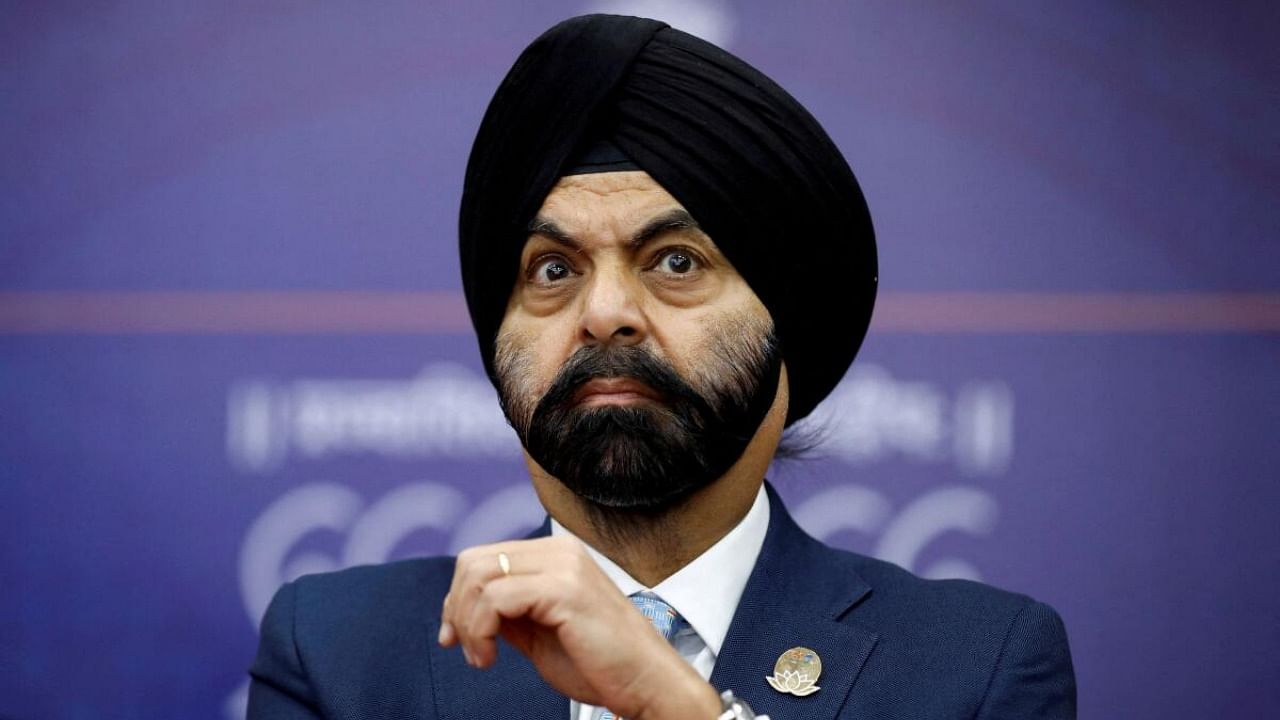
796, 672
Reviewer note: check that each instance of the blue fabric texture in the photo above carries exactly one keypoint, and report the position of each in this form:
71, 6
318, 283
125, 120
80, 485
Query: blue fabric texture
360, 643
664, 617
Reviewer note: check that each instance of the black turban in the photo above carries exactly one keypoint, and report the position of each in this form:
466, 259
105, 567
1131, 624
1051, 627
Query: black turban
750, 164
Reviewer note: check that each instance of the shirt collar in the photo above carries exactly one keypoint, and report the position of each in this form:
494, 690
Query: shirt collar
706, 591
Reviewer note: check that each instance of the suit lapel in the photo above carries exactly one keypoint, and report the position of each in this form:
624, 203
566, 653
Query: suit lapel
512, 688
797, 596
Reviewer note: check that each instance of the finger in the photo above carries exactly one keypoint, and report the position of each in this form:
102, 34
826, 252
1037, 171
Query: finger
478, 565
501, 599
473, 568
524, 557
448, 636
504, 599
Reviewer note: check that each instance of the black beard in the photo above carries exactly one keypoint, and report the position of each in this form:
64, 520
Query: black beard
644, 458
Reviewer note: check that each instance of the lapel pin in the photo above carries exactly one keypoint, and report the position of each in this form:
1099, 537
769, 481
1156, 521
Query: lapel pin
796, 672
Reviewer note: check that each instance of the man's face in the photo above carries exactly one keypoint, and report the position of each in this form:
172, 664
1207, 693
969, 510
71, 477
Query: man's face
634, 362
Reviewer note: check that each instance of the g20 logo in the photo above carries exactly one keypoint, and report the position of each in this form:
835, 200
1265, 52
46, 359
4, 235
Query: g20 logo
274, 548
269, 555
901, 535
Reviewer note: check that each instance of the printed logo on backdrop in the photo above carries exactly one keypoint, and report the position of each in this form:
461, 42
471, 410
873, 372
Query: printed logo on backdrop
446, 411
871, 417
451, 412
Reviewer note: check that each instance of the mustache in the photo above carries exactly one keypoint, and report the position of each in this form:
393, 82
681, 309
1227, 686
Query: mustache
633, 362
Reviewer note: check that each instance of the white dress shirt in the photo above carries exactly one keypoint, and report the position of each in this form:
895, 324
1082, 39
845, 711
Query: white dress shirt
705, 592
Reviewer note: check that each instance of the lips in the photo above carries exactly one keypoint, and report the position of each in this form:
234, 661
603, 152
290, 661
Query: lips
614, 391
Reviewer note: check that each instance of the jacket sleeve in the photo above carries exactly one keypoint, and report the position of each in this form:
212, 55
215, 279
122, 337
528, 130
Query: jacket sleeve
279, 688
1033, 677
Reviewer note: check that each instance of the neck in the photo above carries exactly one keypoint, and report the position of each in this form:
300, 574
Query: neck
651, 547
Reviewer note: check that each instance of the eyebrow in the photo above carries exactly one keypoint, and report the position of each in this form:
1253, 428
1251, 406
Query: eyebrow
676, 219
542, 226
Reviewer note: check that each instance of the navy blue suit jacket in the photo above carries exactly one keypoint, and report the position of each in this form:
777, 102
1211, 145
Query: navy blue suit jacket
361, 643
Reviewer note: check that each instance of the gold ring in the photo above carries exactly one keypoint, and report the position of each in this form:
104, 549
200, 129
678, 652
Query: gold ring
504, 562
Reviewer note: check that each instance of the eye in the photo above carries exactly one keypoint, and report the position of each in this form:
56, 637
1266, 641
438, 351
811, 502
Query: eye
550, 270
677, 261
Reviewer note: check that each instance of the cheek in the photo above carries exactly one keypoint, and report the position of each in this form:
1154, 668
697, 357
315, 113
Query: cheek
726, 346
543, 368
684, 338
529, 356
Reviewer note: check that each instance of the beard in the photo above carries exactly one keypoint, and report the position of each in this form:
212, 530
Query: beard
643, 458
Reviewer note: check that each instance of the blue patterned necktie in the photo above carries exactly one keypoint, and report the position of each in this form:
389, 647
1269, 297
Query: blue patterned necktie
665, 620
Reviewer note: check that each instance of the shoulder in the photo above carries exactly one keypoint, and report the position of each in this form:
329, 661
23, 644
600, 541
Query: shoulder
343, 637
385, 589
360, 605
900, 595
1005, 652
971, 618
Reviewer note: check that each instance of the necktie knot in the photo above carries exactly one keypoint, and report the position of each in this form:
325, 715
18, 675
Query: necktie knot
664, 617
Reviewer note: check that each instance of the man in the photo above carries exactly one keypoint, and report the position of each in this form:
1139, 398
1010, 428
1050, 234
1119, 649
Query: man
667, 262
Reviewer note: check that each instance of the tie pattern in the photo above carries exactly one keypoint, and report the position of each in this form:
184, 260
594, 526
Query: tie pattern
664, 618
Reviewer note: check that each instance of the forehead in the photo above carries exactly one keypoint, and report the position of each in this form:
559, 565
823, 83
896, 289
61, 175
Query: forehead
612, 198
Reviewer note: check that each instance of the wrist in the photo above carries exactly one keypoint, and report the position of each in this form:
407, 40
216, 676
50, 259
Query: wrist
690, 699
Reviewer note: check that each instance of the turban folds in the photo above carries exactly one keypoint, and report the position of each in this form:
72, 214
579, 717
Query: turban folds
747, 161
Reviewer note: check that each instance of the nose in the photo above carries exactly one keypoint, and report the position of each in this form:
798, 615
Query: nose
611, 310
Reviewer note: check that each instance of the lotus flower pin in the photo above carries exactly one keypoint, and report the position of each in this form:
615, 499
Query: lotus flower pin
796, 672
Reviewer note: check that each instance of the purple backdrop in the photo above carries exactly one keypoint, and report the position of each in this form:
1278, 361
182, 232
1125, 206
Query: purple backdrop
233, 349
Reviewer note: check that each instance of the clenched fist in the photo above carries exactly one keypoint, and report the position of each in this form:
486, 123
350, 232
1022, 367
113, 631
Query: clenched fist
550, 600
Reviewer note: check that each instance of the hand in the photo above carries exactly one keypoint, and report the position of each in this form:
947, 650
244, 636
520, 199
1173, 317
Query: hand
583, 636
